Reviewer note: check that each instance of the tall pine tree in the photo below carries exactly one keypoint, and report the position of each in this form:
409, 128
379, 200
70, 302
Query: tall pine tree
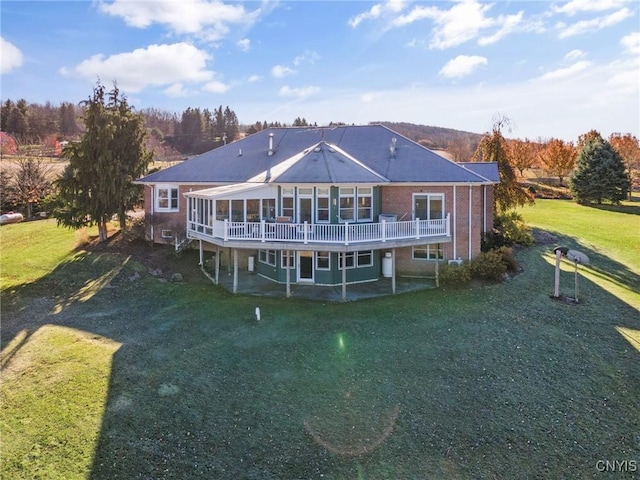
600, 174
97, 183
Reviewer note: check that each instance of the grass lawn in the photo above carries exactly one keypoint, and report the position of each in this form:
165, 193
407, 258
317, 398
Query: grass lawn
109, 372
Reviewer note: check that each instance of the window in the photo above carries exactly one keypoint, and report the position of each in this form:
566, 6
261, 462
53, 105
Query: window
167, 198
167, 233
365, 258
222, 209
268, 257
323, 261
268, 209
253, 210
348, 258
428, 252
237, 210
287, 260
364, 203
428, 206
287, 203
322, 205
346, 204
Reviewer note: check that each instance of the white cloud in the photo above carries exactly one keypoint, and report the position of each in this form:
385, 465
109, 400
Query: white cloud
631, 43
287, 91
508, 24
11, 56
463, 22
309, 56
377, 11
566, 72
209, 18
155, 65
216, 87
176, 90
576, 6
574, 55
254, 78
368, 97
281, 71
585, 26
462, 66
244, 44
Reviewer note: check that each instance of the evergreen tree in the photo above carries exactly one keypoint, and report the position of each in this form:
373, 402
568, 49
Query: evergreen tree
600, 173
97, 182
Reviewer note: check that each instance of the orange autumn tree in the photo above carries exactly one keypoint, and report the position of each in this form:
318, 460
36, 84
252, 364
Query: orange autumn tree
558, 158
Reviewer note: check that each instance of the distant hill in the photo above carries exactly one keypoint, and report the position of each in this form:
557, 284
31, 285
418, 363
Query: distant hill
458, 143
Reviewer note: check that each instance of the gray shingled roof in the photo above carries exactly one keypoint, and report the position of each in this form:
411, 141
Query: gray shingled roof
348, 154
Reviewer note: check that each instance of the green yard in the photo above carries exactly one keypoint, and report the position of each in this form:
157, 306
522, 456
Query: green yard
108, 372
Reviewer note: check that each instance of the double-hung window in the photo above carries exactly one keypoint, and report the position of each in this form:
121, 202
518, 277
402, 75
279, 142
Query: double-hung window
346, 204
167, 198
322, 205
288, 209
428, 206
364, 203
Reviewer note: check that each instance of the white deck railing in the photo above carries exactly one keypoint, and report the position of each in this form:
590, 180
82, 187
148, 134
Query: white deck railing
342, 233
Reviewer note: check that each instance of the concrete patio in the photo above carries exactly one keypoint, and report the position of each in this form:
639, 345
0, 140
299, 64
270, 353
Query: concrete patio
252, 284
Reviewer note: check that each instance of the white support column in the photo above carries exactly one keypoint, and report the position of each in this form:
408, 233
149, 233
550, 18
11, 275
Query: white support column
235, 270
344, 276
217, 273
393, 271
262, 228
384, 230
201, 253
288, 274
437, 266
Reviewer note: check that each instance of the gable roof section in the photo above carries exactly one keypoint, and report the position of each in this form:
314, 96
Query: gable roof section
348, 154
488, 170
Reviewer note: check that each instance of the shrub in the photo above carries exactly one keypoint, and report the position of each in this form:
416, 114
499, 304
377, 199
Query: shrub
508, 229
455, 274
508, 259
488, 266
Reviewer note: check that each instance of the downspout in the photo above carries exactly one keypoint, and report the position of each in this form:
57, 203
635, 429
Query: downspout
455, 220
153, 202
470, 216
484, 208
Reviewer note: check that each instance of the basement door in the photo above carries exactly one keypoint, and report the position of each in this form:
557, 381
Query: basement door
305, 267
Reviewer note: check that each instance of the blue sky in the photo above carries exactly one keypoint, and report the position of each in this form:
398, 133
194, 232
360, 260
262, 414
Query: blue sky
555, 68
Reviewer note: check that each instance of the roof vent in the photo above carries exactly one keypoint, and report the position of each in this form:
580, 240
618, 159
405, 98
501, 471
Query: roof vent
270, 144
317, 149
239, 152
392, 147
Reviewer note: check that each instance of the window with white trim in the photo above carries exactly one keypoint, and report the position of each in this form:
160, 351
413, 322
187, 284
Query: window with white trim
347, 259
288, 209
323, 261
428, 252
323, 205
167, 198
365, 196
365, 258
287, 259
267, 256
428, 206
346, 195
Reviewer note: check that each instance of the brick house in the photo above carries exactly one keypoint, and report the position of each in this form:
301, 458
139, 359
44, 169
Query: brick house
324, 206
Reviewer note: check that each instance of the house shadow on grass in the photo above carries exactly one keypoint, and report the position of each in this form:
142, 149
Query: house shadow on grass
458, 383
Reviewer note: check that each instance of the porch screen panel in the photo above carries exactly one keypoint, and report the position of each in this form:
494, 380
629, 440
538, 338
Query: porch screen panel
253, 210
222, 209
268, 209
237, 210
